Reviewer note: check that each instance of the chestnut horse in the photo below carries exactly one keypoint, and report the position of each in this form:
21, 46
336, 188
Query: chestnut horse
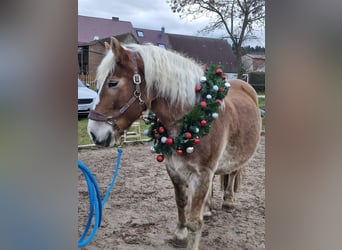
135, 78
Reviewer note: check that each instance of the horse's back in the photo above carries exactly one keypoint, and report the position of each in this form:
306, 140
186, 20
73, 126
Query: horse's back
242, 114
242, 88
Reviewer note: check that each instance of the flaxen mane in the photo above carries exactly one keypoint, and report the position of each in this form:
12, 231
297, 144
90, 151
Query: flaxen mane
106, 66
168, 73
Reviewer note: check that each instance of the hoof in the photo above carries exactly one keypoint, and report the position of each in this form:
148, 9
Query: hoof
179, 243
207, 215
228, 206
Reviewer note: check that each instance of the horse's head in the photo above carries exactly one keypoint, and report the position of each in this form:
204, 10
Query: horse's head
121, 94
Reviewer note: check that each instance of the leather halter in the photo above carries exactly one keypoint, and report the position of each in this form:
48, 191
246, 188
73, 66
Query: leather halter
111, 120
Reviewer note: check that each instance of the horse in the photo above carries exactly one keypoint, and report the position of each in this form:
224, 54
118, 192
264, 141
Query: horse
134, 78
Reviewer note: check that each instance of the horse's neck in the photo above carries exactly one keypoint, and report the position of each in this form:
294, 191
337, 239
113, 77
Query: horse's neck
170, 115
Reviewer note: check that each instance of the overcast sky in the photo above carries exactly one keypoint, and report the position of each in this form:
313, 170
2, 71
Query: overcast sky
150, 14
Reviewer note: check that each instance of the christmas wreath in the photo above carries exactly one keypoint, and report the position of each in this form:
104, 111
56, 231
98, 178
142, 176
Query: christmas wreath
197, 122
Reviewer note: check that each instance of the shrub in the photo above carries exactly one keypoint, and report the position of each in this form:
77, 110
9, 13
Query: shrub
257, 80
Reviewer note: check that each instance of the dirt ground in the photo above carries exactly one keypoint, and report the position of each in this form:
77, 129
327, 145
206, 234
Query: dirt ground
141, 212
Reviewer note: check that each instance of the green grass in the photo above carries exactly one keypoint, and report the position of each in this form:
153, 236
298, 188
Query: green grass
262, 106
262, 103
83, 137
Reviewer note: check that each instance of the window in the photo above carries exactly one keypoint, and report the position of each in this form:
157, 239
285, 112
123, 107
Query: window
140, 33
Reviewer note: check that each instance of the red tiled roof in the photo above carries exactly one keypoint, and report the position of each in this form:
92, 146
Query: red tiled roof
89, 27
155, 37
121, 38
205, 50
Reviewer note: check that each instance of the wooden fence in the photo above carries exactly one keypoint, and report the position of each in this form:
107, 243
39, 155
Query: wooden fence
88, 79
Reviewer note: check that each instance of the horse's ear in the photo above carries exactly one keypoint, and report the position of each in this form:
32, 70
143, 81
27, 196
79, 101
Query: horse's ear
107, 46
114, 43
118, 50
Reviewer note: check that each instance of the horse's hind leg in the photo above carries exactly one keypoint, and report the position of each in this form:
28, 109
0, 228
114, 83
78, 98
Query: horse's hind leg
230, 185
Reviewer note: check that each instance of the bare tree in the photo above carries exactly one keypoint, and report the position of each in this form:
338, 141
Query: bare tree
236, 17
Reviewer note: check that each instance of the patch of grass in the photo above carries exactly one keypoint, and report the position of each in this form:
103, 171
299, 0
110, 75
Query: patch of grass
83, 137
261, 103
262, 106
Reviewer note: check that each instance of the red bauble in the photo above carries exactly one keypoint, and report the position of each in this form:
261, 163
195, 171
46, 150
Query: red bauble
223, 77
169, 141
161, 130
155, 131
196, 140
188, 135
158, 120
218, 101
203, 123
218, 71
198, 88
221, 89
160, 158
203, 104
179, 151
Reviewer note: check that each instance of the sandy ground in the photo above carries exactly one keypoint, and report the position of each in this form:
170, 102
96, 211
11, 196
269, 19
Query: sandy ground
141, 211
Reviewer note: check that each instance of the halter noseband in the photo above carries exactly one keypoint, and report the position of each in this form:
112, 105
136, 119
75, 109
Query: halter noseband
111, 120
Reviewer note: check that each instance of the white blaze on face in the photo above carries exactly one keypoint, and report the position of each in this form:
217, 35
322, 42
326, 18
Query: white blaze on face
102, 131
97, 101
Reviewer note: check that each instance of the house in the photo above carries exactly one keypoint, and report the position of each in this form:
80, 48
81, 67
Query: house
156, 37
205, 50
253, 63
254, 66
94, 28
92, 32
91, 53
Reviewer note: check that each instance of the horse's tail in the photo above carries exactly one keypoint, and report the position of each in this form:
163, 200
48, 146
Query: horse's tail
225, 180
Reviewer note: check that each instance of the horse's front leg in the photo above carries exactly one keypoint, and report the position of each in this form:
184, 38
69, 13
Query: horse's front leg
209, 202
181, 233
199, 189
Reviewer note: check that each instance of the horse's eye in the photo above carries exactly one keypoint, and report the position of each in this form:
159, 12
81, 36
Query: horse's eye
112, 83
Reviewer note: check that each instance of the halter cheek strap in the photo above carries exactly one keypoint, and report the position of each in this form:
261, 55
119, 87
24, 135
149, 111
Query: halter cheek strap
111, 120
137, 81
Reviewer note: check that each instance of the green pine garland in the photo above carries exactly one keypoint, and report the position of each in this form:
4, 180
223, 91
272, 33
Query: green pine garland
197, 122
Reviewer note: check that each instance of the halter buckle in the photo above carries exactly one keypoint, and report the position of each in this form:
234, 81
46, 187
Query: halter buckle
136, 78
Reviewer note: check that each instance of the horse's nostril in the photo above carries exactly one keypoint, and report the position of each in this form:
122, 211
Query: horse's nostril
93, 136
108, 140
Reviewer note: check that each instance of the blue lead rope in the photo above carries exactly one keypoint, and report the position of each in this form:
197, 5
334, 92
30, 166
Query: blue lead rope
95, 202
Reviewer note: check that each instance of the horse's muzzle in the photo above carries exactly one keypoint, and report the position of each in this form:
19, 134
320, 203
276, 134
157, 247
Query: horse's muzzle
105, 143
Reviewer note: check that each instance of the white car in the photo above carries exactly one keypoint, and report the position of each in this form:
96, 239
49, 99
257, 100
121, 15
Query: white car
86, 98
